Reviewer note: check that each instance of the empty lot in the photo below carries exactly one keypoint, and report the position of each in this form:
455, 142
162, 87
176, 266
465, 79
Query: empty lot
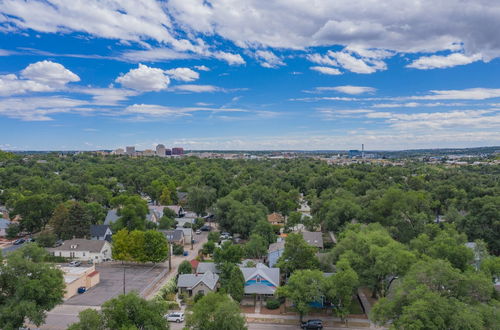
137, 277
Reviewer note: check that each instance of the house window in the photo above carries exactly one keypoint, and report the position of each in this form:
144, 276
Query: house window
258, 279
84, 254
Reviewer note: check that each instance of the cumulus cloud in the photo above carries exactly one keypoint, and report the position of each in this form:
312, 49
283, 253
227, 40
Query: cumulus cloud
144, 79
347, 89
49, 73
440, 62
230, 58
326, 70
183, 74
268, 59
202, 68
357, 64
10, 84
44, 76
108, 96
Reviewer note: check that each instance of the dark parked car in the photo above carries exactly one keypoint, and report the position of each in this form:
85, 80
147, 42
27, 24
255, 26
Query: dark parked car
206, 228
82, 289
19, 241
312, 324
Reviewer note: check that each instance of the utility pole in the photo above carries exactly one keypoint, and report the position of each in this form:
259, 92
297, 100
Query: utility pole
123, 277
169, 256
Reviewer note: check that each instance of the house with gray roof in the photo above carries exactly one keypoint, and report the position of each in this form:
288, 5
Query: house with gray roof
261, 280
274, 252
204, 267
100, 232
313, 238
175, 236
83, 250
193, 284
111, 217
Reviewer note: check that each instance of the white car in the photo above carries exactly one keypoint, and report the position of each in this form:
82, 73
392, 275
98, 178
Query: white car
198, 232
175, 317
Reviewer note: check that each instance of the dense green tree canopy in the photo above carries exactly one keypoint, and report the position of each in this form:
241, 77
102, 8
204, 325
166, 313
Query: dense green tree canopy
29, 287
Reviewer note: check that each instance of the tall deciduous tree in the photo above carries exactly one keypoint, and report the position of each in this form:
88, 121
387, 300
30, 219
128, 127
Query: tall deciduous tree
303, 288
341, 286
29, 287
127, 311
200, 198
297, 255
216, 311
256, 247
185, 268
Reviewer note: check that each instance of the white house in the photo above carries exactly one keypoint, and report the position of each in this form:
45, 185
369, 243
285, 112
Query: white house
83, 250
100, 232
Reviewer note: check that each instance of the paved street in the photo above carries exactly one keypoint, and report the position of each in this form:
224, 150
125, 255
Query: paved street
265, 326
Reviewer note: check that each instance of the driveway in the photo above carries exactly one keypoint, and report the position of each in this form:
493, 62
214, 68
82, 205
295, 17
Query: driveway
137, 277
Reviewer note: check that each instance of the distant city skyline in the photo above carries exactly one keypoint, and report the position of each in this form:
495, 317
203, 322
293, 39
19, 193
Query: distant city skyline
331, 75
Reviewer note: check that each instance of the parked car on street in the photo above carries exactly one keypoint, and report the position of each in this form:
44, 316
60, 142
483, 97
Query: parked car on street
19, 241
206, 228
312, 324
75, 263
175, 317
82, 289
198, 232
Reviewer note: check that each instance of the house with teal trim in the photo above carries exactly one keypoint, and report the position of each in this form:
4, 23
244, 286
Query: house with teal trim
261, 280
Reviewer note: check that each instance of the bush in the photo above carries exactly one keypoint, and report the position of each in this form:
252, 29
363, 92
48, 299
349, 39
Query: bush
13, 230
272, 303
213, 236
178, 250
198, 296
187, 225
46, 239
172, 305
198, 223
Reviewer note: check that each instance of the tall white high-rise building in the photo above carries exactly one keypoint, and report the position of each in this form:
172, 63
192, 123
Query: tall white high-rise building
130, 151
160, 150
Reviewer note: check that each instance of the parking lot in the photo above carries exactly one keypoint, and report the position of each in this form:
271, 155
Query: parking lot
137, 277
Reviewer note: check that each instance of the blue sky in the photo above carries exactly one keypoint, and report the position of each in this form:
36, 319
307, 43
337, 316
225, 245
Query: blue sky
86, 75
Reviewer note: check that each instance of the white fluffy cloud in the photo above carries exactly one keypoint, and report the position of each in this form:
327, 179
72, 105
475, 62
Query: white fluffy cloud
348, 89
144, 79
326, 70
44, 76
202, 68
399, 25
439, 62
230, 58
10, 84
183, 74
49, 73
268, 59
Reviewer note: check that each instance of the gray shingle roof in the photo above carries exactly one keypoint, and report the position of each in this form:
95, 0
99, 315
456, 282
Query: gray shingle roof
313, 238
80, 244
270, 274
111, 217
191, 280
276, 246
173, 235
98, 230
204, 267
